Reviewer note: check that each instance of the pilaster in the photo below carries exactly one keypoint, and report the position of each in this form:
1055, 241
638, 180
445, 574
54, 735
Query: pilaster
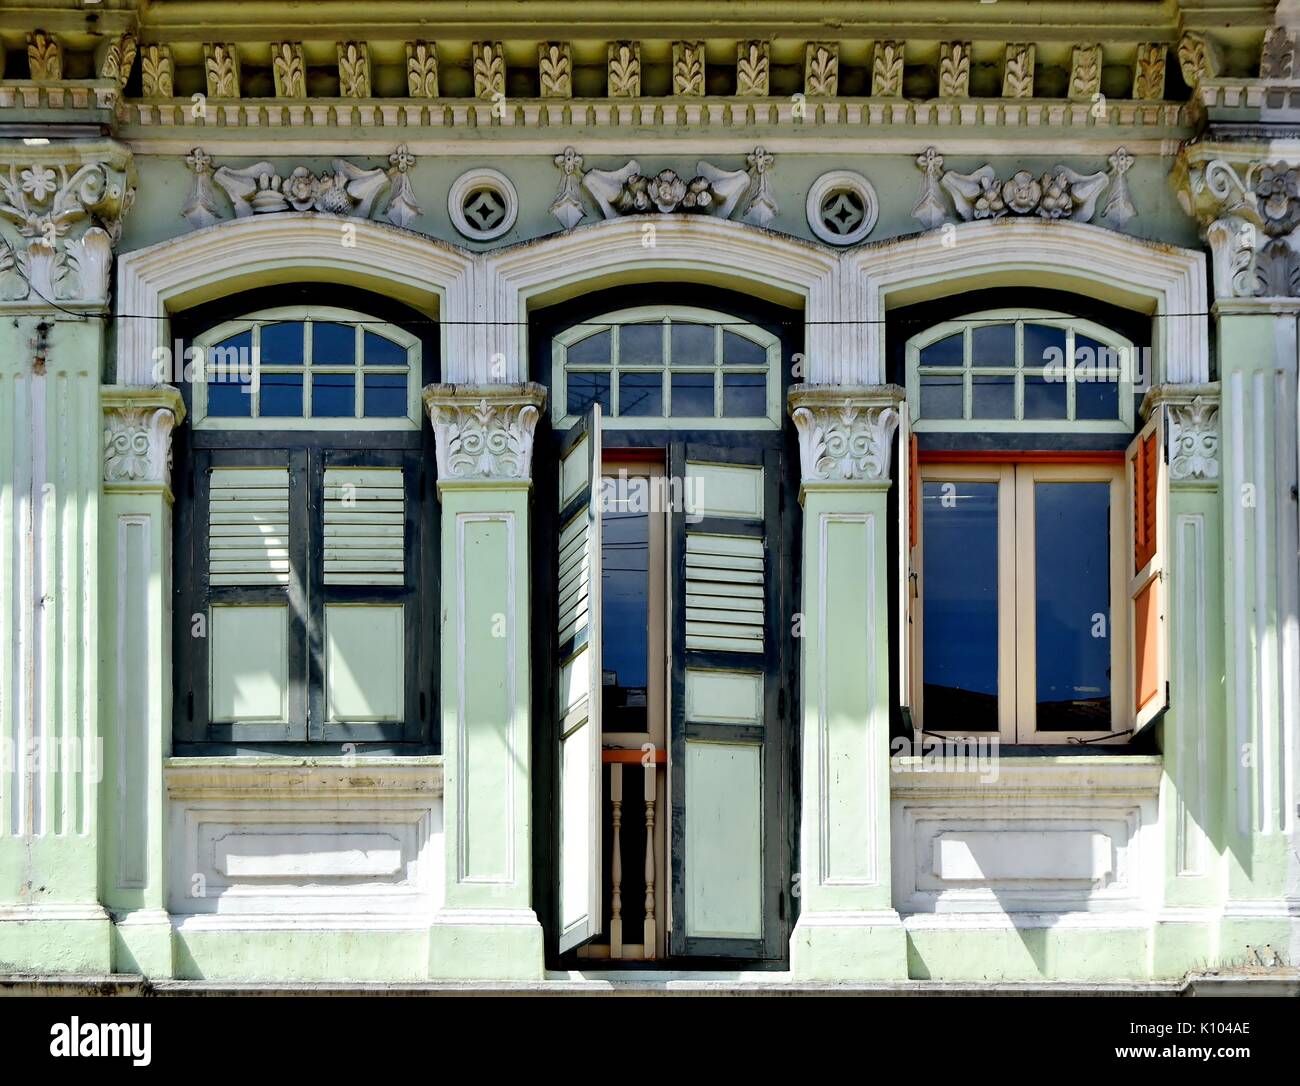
847, 925
483, 434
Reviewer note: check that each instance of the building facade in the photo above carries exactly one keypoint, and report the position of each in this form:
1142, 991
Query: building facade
800, 489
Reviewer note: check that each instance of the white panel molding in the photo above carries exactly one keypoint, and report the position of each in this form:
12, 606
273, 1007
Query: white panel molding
1192, 675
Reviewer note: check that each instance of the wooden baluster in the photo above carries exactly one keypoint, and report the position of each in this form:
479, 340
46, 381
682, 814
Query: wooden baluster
649, 937
616, 873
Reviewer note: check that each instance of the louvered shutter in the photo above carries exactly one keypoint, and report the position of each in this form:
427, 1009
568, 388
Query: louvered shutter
728, 630
1148, 578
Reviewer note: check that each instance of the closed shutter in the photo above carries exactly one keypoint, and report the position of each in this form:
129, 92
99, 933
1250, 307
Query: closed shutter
1148, 576
365, 526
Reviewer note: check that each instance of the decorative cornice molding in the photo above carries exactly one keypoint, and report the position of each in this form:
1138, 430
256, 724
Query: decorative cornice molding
1277, 58
484, 432
688, 69
821, 69
954, 69
117, 59
1200, 58
354, 69
44, 57
489, 59
1018, 71
422, 69
221, 65
62, 207
1085, 71
1149, 71
138, 424
555, 69
289, 69
887, 69
623, 69
157, 71
753, 68
845, 434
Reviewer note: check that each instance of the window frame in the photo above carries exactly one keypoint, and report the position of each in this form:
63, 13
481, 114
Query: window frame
666, 315
1054, 319
362, 322
1017, 588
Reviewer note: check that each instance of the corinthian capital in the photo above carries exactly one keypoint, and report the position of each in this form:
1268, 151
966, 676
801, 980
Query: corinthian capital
484, 432
845, 434
138, 424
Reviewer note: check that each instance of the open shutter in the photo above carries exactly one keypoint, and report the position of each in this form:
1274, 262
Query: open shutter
908, 511
1148, 582
579, 685
727, 632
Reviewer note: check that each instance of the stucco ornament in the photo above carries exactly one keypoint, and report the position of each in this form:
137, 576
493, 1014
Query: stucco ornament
261, 189
137, 444
1194, 440
567, 205
844, 441
484, 432
64, 218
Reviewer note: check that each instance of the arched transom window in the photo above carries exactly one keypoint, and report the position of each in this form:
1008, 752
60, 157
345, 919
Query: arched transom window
676, 366
1020, 370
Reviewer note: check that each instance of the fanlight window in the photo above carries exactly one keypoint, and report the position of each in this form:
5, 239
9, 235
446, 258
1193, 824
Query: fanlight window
307, 369
1010, 370
654, 368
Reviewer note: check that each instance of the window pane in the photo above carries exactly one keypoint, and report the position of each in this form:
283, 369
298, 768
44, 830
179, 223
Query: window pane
1097, 371
594, 350
1044, 350
960, 616
1044, 398
692, 393
282, 344
993, 345
941, 396
333, 344
641, 394
333, 395
744, 395
993, 396
640, 344
692, 343
737, 350
281, 395
385, 395
229, 369
947, 352
625, 604
230, 399
1072, 605
381, 351
585, 389
1096, 399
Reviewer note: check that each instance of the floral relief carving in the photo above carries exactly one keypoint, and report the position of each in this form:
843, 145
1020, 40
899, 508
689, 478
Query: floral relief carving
354, 69
44, 56
845, 441
422, 69
289, 69
1277, 58
555, 69
567, 205
821, 70
63, 219
1199, 57
624, 69
119, 57
221, 64
137, 444
1194, 440
1149, 71
753, 69
712, 191
1085, 71
1119, 205
490, 437
157, 71
887, 70
1018, 72
688, 69
954, 69
489, 69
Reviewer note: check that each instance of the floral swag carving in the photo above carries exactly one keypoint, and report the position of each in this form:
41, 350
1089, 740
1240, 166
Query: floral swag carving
262, 190
137, 445
1194, 440
483, 439
848, 442
63, 220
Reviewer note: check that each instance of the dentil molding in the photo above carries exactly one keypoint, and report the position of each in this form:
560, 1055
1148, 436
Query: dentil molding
845, 434
484, 432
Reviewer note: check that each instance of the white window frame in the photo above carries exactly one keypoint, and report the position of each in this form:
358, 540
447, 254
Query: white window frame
1017, 673
313, 314
1070, 325
665, 315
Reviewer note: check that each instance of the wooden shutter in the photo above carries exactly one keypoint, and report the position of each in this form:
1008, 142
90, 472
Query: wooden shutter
579, 685
908, 476
248, 526
1148, 580
364, 526
727, 845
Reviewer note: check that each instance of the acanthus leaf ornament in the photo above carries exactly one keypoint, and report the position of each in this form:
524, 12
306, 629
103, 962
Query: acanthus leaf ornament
842, 436
484, 432
1193, 439
887, 70
753, 69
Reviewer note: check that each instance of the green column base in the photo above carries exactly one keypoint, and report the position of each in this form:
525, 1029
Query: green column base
486, 944
1254, 934
287, 954
844, 946
1185, 944
55, 939
999, 949
142, 943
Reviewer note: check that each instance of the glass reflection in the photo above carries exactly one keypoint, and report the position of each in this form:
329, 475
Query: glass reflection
624, 606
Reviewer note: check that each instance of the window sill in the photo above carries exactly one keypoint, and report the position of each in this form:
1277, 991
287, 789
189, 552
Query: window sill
1027, 771
251, 775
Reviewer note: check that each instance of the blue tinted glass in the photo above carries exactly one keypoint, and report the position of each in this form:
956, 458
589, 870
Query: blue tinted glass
592, 350
282, 344
744, 395
960, 619
941, 396
641, 394
692, 343
1072, 605
333, 395
381, 351
230, 400
640, 344
1045, 397
949, 351
333, 344
993, 345
993, 396
385, 395
692, 394
1097, 399
585, 389
281, 395
625, 606
739, 351
1044, 349
231, 360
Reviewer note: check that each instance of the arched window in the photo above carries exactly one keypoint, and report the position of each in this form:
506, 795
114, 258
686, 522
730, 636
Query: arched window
1012, 370
304, 552
653, 368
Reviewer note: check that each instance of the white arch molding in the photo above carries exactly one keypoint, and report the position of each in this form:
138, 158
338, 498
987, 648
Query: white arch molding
483, 299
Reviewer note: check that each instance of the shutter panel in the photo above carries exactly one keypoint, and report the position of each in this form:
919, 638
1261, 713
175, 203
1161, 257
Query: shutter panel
727, 628
1148, 582
365, 526
248, 526
579, 685
908, 510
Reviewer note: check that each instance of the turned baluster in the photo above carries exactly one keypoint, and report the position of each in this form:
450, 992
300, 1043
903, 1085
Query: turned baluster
616, 873
649, 937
